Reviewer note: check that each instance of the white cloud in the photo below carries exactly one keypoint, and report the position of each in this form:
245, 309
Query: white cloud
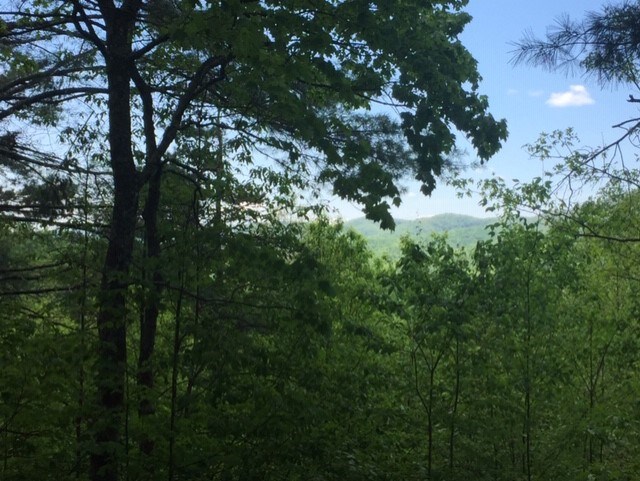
535, 93
576, 96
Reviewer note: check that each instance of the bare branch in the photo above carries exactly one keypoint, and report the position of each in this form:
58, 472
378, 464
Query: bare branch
51, 96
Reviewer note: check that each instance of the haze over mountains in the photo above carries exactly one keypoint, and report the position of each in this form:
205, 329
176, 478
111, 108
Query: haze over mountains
461, 230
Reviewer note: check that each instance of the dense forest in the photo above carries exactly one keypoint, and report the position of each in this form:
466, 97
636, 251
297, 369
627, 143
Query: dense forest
175, 304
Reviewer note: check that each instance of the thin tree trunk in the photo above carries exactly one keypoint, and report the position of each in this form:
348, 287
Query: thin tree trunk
430, 424
83, 318
591, 387
528, 377
149, 319
454, 408
174, 383
527, 414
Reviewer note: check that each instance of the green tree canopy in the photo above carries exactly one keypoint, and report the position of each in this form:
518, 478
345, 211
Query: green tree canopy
285, 75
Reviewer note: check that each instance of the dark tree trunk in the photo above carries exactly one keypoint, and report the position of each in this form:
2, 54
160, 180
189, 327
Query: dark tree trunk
111, 322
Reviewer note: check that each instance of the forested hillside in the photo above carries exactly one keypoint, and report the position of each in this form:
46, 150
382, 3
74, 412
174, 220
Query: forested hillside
461, 231
175, 305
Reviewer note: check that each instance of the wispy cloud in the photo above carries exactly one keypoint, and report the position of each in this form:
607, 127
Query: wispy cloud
576, 96
512, 92
535, 93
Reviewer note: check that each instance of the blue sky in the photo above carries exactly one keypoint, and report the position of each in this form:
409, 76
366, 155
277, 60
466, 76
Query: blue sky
531, 99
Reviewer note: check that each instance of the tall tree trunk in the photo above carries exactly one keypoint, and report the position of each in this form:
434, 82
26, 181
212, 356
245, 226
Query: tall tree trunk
111, 322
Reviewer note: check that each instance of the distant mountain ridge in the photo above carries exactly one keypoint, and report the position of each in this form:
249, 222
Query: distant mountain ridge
462, 231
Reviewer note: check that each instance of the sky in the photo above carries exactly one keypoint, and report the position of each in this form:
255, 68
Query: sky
531, 99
